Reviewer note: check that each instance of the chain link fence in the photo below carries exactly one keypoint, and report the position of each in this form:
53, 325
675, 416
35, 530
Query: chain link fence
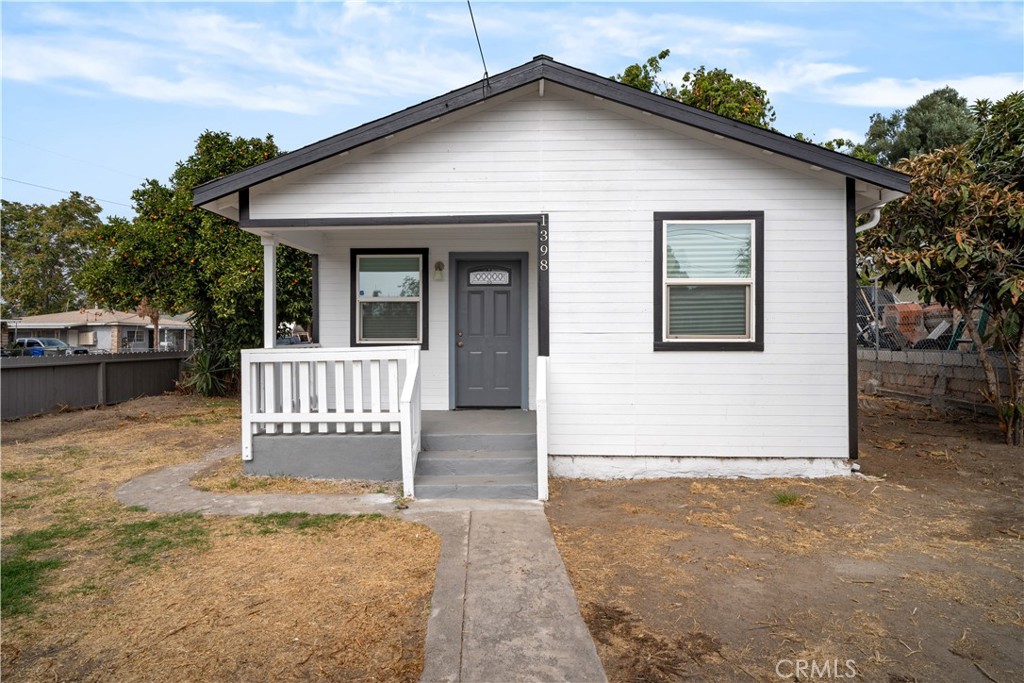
886, 322
920, 351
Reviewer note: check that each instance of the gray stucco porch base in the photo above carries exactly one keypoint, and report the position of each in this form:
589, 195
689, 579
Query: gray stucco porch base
372, 457
469, 451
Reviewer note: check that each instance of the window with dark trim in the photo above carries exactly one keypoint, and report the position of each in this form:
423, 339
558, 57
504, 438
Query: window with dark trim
709, 281
389, 297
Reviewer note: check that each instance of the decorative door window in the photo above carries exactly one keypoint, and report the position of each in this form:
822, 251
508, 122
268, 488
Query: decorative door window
490, 277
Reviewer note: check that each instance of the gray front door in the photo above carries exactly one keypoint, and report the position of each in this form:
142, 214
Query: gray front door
488, 334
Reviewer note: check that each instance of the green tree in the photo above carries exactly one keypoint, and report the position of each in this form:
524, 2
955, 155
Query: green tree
714, 90
43, 248
939, 119
174, 258
958, 239
843, 146
998, 145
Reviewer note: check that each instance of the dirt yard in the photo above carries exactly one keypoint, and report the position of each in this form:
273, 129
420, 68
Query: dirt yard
914, 572
95, 591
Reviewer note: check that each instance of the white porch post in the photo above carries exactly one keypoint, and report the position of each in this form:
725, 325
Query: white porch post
269, 291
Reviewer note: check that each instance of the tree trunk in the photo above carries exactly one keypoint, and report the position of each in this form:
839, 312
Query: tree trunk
1015, 435
147, 310
994, 394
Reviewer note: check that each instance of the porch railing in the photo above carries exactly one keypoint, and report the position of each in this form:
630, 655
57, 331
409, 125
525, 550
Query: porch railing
334, 391
542, 427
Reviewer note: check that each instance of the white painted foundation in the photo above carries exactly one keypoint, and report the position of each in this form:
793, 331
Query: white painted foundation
650, 467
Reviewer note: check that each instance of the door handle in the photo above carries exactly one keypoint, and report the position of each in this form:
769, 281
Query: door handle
459, 343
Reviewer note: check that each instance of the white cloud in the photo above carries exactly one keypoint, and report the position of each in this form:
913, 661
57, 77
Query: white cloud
45, 13
119, 68
637, 36
896, 93
29, 59
313, 56
208, 58
831, 82
354, 13
605, 38
114, 66
792, 76
1000, 18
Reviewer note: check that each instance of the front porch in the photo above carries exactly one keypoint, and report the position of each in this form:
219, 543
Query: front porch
357, 414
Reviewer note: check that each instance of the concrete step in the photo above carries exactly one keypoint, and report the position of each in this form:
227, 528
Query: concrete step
476, 486
476, 462
441, 441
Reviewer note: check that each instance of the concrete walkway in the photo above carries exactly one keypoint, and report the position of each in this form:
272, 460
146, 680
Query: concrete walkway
503, 608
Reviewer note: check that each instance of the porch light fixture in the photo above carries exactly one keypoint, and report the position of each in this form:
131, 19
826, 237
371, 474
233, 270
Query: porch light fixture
439, 271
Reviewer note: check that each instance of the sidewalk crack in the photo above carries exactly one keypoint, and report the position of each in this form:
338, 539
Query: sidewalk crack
465, 593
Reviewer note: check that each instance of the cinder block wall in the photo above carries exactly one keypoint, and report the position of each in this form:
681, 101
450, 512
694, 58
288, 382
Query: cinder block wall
942, 377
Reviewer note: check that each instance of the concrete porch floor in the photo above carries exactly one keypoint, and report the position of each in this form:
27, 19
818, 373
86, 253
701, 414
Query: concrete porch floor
479, 422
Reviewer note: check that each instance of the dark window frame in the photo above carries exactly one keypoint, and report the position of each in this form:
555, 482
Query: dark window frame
662, 344
424, 255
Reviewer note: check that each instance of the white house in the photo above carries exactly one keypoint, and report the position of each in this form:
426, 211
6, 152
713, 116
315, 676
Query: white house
670, 290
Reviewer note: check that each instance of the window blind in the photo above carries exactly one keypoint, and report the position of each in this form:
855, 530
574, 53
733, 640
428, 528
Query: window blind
707, 311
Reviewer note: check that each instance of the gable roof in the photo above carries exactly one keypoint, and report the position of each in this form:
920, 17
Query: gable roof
545, 68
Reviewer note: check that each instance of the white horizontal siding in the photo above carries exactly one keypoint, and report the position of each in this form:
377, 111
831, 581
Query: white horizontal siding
600, 176
335, 289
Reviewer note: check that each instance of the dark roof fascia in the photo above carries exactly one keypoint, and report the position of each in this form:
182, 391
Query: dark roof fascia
570, 77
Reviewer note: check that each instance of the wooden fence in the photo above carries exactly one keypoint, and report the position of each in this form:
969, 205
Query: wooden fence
31, 385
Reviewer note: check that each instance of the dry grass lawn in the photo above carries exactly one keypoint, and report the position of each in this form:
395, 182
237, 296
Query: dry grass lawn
95, 591
913, 573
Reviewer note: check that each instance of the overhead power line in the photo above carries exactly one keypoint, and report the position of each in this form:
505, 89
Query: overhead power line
54, 189
480, 47
68, 156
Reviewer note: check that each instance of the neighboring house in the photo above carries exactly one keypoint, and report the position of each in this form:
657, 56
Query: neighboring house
101, 330
670, 289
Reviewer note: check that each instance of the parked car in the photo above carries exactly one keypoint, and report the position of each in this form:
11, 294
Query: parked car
36, 346
40, 346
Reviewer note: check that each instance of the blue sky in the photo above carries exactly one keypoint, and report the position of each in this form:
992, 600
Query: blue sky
97, 97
